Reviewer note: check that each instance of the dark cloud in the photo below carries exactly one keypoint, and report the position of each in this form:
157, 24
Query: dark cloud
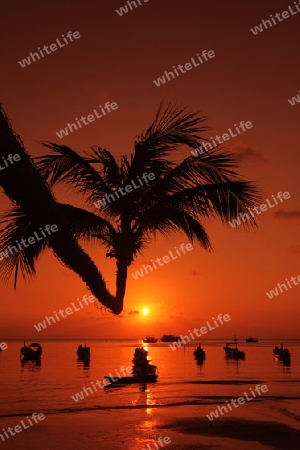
247, 153
133, 311
194, 273
293, 248
287, 215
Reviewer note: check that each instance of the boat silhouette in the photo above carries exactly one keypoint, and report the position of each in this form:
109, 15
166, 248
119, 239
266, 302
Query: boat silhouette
283, 354
232, 351
251, 339
169, 338
83, 353
31, 352
149, 340
199, 353
142, 371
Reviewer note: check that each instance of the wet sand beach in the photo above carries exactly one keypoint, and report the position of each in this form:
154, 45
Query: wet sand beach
271, 425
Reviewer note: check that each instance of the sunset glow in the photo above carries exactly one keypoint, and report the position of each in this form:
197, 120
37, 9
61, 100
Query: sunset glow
184, 290
149, 261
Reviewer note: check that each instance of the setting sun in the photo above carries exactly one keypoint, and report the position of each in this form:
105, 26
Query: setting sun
145, 311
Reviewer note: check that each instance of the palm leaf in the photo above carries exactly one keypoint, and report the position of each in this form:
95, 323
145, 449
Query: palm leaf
168, 219
83, 224
173, 126
67, 167
19, 227
88, 226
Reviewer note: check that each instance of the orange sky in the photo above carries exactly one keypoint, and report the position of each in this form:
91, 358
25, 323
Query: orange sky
116, 59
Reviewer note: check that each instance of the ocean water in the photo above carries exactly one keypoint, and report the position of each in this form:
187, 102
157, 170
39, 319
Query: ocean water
27, 388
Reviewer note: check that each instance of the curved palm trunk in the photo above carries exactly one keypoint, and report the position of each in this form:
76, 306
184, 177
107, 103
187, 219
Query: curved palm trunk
125, 256
22, 183
121, 280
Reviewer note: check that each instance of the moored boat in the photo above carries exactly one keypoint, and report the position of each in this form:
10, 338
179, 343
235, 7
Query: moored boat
31, 352
169, 338
83, 353
149, 340
142, 371
199, 353
283, 354
251, 339
232, 351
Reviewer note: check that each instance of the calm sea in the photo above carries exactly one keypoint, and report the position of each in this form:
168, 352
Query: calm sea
27, 388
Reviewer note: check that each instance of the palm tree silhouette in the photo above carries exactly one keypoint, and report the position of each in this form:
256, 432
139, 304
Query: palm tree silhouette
34, 207
179, 197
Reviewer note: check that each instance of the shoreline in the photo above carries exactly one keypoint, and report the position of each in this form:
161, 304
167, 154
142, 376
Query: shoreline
256, 427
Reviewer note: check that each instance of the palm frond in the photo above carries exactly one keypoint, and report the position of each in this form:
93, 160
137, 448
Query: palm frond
82, 224
87, 225
67, 167
109, 170
224, 200
23, 260
172, 127
167, 219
